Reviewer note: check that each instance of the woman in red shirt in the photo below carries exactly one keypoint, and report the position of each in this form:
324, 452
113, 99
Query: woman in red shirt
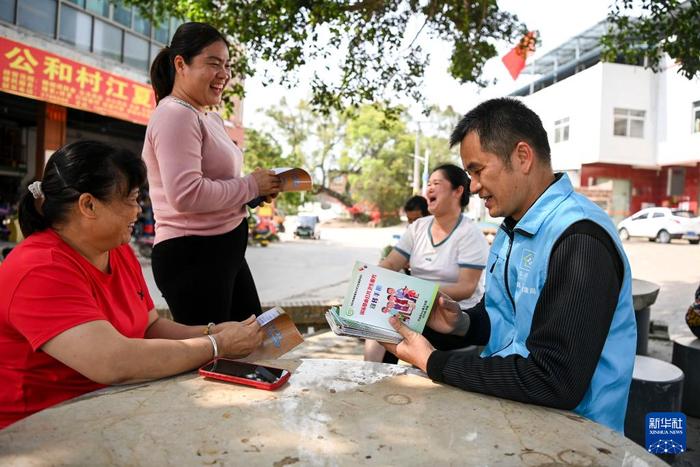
75, 312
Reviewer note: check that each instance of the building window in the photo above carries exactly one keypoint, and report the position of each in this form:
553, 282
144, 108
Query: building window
80, 3
154, 51
561, 130
99, 7
107, 40
174, 24
7, 10
629, 123
135, 51
38, 16
141, 24
76, 28
122, 14
696, 117
160, 32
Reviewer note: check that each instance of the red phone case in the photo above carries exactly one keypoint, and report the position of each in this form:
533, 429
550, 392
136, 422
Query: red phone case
248, 382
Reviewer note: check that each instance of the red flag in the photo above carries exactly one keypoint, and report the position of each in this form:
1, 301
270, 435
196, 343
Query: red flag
515, 59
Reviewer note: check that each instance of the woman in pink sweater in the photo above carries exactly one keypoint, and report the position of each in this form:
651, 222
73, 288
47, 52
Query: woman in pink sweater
198, 194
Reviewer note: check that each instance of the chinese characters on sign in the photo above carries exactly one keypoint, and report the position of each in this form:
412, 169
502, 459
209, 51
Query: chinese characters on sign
36, 74
672, 423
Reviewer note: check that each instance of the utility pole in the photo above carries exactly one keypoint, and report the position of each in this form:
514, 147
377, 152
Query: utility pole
416, 163
425, 172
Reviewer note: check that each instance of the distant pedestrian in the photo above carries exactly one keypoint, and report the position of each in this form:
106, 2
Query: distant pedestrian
415, 208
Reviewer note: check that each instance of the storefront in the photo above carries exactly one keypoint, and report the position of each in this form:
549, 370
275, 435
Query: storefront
47, 100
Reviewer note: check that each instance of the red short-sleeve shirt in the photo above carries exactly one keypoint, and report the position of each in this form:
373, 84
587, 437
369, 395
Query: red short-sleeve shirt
46, 288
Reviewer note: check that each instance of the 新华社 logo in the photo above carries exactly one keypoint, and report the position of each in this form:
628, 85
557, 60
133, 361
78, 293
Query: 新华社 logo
665, 432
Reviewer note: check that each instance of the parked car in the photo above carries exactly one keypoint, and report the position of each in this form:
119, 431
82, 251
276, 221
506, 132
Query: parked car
308, 227
661, 225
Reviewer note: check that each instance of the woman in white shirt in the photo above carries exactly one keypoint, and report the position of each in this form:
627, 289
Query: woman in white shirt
446, 247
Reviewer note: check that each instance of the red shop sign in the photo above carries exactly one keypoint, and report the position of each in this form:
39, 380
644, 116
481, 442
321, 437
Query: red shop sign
34, 73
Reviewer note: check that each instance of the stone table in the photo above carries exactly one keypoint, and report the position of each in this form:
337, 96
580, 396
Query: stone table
331, 412
644, 295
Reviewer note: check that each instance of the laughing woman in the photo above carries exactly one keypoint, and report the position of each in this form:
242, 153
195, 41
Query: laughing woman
75, 312
446, 248
194, 174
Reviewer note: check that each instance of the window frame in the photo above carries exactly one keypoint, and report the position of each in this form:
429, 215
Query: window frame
562, 130
628, 115
167, 28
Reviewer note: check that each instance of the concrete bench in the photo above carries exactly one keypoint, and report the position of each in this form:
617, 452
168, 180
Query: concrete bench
686, 356
657, 386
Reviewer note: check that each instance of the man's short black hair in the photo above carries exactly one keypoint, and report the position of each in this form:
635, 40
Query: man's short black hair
502, 123
417, 203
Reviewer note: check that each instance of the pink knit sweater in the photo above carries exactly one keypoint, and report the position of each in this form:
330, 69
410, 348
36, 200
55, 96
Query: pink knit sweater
194, 173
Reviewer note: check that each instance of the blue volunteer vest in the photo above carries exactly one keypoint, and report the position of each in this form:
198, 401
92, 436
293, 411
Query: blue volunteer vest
510, 305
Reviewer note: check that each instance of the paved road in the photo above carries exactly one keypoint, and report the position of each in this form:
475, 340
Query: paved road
319, 269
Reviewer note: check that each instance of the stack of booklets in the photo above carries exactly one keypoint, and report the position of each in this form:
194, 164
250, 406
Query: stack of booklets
374, 295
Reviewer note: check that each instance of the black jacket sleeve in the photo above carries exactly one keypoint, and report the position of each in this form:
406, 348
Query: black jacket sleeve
569, 327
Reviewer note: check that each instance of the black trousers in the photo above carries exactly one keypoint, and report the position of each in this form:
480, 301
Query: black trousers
206, 278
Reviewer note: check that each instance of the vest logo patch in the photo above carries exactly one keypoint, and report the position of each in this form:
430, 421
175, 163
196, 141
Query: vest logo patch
527, 260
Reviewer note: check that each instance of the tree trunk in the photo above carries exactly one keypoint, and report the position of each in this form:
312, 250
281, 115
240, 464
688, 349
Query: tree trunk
345, 199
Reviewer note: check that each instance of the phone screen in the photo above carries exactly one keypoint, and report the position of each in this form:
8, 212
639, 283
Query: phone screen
245, 370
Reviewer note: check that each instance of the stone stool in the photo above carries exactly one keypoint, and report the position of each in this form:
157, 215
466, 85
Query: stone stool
657, 386
644, 295
686, 356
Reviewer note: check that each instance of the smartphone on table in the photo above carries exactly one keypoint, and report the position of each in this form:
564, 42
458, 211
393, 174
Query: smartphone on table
257, 376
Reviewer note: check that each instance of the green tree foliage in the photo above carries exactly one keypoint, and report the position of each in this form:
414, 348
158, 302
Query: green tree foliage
382, 162
312, 137
261, 150
370, 153
664, 26
372, 47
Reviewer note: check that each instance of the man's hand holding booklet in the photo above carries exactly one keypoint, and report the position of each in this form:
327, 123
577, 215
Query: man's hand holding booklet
374, 295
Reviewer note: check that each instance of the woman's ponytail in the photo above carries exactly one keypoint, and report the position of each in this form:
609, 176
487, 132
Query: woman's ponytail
30, 219
162, 74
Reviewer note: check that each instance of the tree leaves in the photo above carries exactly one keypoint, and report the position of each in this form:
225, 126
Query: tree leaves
373, 152
665, 26
365, 40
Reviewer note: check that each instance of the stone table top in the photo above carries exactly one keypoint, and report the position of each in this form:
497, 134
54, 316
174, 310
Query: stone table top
644, 293
331, 412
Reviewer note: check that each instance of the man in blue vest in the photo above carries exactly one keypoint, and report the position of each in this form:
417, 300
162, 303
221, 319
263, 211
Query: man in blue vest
557, 318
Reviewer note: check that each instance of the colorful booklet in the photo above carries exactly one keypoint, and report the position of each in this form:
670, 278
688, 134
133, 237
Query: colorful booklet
281, 335
374, 295
294, 179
